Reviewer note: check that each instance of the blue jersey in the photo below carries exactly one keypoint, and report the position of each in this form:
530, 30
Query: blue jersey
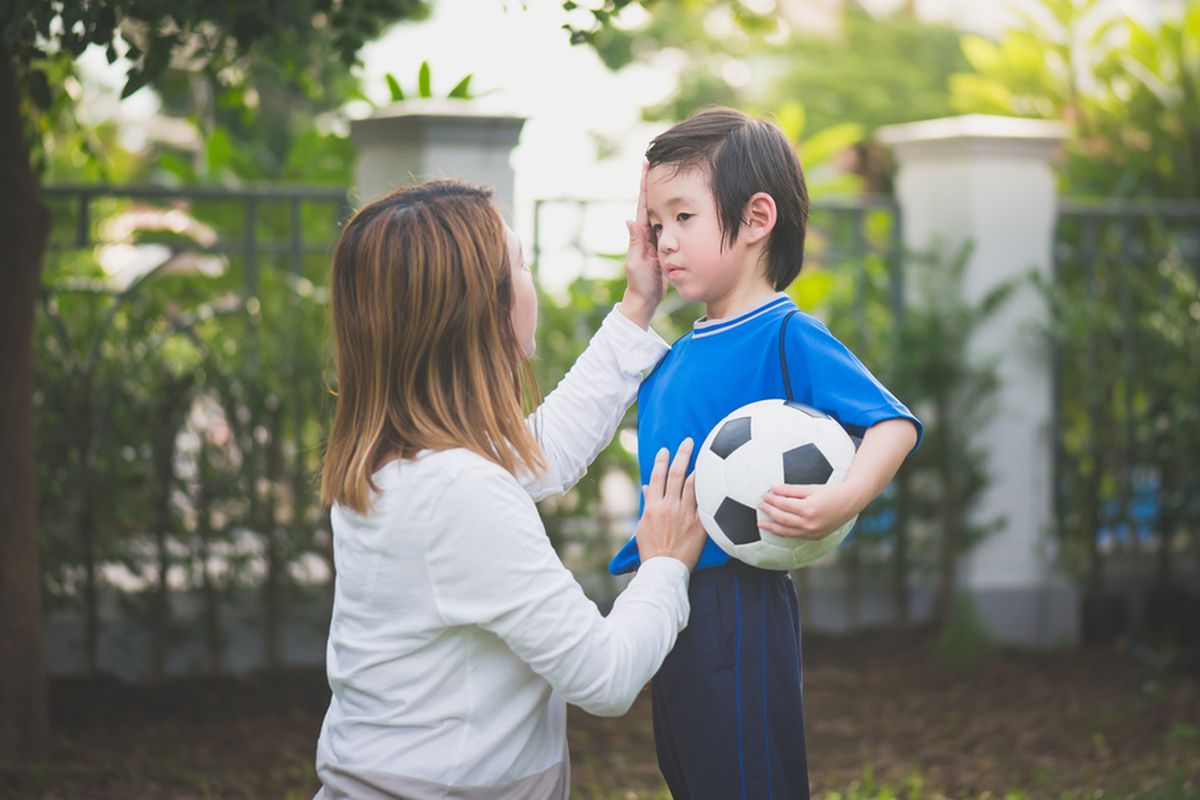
724, 364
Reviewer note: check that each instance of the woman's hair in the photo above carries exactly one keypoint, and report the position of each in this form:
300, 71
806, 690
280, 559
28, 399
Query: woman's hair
742, 155
421, 300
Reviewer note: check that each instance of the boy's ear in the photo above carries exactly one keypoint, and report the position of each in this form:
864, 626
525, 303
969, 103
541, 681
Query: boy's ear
759, 219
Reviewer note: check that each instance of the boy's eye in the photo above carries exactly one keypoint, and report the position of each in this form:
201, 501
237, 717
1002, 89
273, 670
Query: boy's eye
683, 216
656, 228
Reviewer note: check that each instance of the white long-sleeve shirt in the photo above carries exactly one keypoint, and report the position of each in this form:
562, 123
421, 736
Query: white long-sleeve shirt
457, 633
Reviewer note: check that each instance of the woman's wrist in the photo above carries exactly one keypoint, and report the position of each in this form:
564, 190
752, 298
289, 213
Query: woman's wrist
638, 308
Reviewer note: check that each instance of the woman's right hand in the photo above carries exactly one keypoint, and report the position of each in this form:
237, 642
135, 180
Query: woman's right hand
645, 281
669, 525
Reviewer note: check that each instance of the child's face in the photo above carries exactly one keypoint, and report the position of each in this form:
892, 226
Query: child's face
684, 216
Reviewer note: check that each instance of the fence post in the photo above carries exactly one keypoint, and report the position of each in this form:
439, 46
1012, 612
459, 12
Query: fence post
989, 180
425, 139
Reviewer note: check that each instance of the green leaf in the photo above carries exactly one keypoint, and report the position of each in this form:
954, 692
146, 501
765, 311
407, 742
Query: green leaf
824, 145
39, 89
462, 91
423, 84
1143, 47
812, 287
791, 119
394, 87
175, 165
979, 94
983, 53
158, 56
218, 149
1191, 24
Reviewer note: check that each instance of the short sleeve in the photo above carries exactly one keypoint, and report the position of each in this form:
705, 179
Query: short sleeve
826, 375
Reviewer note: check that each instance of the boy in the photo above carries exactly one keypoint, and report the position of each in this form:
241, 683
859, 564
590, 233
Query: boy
727, 203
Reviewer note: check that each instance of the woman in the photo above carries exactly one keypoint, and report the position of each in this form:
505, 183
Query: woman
457, 633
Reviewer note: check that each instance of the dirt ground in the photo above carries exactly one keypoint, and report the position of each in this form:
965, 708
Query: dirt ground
1112, 722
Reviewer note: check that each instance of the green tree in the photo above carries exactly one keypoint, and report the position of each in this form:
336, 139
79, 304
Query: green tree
1122, 304
875, 70
35, 36
1130, 93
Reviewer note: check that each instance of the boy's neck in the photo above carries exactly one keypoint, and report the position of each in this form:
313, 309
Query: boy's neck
742, 298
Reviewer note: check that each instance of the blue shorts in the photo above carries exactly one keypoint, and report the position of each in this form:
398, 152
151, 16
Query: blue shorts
728, 707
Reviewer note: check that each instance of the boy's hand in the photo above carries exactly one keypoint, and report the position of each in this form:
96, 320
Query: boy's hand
808, 511
815, 511
645, 282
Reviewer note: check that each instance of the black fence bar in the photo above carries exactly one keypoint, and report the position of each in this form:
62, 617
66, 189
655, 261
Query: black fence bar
1108, 255
272, 192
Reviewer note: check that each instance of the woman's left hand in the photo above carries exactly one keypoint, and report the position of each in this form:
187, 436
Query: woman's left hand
645, 282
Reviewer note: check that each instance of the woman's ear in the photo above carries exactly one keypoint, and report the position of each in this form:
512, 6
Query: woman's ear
760, 216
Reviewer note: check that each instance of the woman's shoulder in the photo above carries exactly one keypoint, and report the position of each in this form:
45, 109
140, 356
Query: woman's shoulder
434, 468
441, 483
459, 472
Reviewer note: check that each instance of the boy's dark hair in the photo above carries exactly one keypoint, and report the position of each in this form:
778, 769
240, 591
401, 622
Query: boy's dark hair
743, 155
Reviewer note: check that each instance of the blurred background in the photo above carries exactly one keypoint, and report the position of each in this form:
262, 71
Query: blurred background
1005, 228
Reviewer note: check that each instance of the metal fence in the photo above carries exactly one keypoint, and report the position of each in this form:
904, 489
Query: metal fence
1126, 385
235, 514
1117, 269
74, 210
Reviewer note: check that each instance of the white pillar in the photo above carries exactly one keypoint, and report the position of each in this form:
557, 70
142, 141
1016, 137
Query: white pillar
420, 140
988, 180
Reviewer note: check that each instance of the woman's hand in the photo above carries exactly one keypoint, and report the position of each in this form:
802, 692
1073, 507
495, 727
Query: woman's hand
669, 524
645, 282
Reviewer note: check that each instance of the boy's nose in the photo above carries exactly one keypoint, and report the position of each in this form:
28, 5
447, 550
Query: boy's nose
666, 243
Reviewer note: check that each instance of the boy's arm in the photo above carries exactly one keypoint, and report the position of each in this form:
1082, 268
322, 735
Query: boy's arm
814, 511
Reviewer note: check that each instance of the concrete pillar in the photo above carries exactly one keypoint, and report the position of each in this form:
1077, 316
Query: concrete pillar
419, 140
988, 180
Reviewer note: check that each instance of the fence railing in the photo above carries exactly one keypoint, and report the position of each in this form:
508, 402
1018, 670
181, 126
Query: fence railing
1126, 309
1119, 270
180, 418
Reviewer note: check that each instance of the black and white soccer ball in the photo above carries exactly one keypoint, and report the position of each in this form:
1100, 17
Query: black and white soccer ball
754, 448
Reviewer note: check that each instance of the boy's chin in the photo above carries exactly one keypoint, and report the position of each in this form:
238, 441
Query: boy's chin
691, 295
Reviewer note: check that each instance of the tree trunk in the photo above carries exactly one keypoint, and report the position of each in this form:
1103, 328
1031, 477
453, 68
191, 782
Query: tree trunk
160, 602
85, 529
87, 541
24, 226
214, 651
854, 583
1167, 520
949, 547
276, 558
171, 403
950, 519
900, 563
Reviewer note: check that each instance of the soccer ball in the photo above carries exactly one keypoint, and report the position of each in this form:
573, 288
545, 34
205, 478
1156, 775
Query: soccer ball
752, 449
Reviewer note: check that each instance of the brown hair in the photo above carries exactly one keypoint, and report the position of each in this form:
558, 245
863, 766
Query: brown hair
421, 298
741, 156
